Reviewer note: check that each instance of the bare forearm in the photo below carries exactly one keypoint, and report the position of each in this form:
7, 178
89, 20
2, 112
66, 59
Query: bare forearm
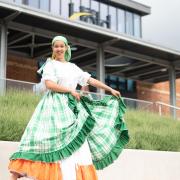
98, 84
57, 88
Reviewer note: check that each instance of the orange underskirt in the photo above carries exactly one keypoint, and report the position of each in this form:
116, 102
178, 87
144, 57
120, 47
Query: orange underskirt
48, 171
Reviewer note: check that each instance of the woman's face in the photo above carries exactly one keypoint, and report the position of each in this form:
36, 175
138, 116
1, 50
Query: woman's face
59, 49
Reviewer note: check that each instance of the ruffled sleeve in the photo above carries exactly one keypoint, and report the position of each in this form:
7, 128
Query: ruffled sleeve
49, 73
82, 77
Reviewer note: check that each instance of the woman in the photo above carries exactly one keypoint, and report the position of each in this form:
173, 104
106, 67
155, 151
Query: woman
69, 134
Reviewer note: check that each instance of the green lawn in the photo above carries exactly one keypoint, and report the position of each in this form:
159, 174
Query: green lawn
147, 130
151, 132
15, 111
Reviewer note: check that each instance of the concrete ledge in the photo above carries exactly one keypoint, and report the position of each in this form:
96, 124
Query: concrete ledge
143, 165
6, 149
131, 165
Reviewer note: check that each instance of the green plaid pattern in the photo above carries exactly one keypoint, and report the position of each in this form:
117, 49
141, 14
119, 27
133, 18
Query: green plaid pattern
53, 125
104, 135
60, 125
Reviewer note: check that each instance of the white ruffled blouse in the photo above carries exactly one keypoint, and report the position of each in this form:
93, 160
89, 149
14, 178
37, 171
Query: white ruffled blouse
65, 73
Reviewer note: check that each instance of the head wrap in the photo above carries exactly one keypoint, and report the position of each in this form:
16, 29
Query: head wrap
67, 55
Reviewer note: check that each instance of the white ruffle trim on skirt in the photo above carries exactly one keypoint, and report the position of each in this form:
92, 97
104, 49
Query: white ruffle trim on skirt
81, 157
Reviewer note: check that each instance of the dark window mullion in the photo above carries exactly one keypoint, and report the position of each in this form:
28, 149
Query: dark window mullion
117, 20
133, 30
49, 5
38, 4
140, 24
125, 17
60, 6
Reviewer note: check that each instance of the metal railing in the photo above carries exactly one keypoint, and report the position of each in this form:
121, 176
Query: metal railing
166, 109
138, 104
6, 84
39, 88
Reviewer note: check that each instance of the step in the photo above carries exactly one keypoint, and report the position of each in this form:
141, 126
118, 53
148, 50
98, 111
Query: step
131, 164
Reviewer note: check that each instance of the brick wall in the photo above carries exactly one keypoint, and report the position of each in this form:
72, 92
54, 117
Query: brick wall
158, 92
21, 68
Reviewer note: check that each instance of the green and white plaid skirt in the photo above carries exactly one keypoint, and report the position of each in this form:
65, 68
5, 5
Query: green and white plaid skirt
60, 125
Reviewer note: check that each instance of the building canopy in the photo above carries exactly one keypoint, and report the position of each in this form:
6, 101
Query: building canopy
30, 32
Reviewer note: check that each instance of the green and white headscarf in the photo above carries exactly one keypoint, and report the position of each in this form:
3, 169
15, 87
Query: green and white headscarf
67, 55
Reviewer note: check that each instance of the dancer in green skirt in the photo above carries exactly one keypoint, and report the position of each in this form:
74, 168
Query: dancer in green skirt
69, 135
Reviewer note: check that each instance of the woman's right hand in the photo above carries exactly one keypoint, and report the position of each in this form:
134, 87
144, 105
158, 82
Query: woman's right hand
115, 93
76, 95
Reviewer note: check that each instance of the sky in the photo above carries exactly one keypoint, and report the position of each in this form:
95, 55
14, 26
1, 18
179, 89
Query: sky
162, 26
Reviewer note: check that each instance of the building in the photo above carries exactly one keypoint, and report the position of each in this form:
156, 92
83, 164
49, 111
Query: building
107, 43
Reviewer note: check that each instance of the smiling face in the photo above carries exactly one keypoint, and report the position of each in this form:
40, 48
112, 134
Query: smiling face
59, 49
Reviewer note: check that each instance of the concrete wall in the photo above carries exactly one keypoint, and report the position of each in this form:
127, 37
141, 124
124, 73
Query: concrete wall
131, 165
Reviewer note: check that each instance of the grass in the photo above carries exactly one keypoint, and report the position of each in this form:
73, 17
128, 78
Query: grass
151, 132
15, 111
148, 131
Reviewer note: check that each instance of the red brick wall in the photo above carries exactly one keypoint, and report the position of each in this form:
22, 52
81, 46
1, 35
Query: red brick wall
21, 68
158, 92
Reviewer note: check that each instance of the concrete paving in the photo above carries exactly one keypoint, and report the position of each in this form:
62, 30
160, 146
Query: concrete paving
131, 165
6, 149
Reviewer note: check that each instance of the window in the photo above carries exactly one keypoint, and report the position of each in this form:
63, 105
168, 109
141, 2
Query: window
103, 14
103, 11
122, 84
18, 1
85, 3
112, 13
137, 25
44, 4
33, 3
95, 5
130, 85
121, 21
65, 8
55, 6
76, 5
113, 81
129, 23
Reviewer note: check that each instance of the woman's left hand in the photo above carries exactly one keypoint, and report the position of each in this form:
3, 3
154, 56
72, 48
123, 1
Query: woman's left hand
115, 93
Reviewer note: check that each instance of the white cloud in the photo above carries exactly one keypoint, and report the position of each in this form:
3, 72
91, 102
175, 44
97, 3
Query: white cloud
162, 26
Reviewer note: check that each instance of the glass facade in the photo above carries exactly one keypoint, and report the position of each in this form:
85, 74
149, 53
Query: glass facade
85, 3
33, 3
137, 25
95, 5
64, 8
129, 23
112, 13
44, 4
116, 19
119, 83
103, 13
121, 20
19, 1
55, 6
76, 5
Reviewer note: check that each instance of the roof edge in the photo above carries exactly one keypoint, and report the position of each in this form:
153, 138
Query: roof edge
88, 27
